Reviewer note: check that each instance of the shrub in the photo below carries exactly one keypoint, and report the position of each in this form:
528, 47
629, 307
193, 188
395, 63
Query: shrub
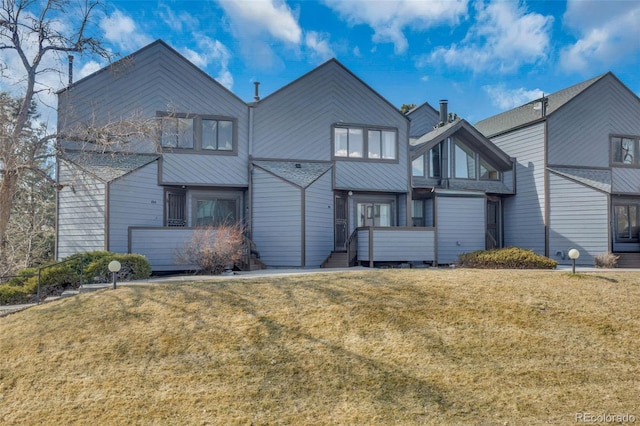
133, 267
213, 249
505, 258
606, 260
75, 260
22, 277
10, 294
53, 280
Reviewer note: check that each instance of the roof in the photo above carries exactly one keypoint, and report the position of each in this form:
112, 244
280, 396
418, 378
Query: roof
468, 133
331, 63
532, 111
594, 178
130, 59
108, 166
299, 173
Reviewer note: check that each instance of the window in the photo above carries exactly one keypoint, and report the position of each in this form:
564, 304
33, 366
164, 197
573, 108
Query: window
487, 171
417, 212
374, 214
418, 166
177, 132
624, 150
382, 144
217, 134
215, 211
197, 132
465, 162
627, 223
361, 142
175, 208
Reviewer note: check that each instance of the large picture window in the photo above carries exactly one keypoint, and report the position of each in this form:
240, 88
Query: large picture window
183, 132
215, 212
627, 221
362, 142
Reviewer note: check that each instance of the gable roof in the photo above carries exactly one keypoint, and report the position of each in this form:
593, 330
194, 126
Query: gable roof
532, 111
468, 134
333, 62
299, 173
108, 166
127, 60
426, 105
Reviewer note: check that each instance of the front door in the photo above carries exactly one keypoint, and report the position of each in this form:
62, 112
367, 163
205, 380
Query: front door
341, 224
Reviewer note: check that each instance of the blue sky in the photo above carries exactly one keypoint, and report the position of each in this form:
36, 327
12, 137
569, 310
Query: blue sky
483, 56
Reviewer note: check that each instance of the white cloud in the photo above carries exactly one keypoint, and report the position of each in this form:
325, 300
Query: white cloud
319, 45
505, 99
87, 69
177, 22
121, 30
389, 19
264, 16
606, 34
505, 37
211, 52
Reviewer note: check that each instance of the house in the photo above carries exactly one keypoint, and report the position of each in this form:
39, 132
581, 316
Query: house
319, 171
577, 171
322, 172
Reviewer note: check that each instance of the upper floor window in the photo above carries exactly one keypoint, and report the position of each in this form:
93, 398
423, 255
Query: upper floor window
197, 132
487, 171
465, 162
433, 163
362, 142
624, 150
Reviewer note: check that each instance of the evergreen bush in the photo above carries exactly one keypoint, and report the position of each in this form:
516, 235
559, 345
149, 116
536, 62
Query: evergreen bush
505, 258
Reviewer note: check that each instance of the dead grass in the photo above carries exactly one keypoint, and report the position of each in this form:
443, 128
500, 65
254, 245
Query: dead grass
379, 347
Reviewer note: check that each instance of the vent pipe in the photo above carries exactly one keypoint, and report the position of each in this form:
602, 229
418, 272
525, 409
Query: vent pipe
444, 115
256, 93
70, 70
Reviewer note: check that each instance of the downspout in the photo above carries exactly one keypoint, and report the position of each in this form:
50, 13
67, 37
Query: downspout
547, 213
58, 189
250, 176
409, 198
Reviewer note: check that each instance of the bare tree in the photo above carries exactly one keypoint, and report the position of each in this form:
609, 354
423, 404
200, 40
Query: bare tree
31, 30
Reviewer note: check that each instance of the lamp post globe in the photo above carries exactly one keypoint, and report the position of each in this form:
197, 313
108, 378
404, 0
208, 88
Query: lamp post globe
573, 255
114, 267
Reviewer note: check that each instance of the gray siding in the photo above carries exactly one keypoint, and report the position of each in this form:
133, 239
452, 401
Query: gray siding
625, 180
134, 200
319, 241
277, 220
524, 213
158, 79
422, 120
398, 244
161, 246
578, 218
363, 176
296, 123
428, 212
81, 212
579, 132
203, 169
461, 226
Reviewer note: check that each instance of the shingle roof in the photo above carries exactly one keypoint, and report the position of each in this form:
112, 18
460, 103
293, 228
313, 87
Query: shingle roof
530, 112
108, 166
598, 179
302, 176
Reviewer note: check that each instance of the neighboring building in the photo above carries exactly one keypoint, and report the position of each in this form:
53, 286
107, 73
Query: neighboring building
577, 172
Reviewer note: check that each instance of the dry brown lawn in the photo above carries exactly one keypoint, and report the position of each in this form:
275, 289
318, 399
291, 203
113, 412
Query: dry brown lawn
372, 347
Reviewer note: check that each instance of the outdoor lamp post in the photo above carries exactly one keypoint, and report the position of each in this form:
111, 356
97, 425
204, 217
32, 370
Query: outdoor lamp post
573, 255
114, 267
